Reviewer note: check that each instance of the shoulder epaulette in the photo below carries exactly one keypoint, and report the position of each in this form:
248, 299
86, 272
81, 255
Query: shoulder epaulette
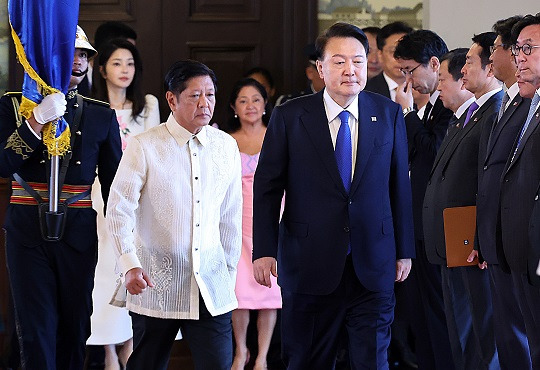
95, 101
13, 93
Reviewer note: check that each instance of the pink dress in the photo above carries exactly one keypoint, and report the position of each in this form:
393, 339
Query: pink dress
250, 294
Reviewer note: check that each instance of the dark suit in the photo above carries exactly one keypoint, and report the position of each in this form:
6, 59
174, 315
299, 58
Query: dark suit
519, 184
52, 281
453, 182
428, 321
496, 144
320, 221
378, 85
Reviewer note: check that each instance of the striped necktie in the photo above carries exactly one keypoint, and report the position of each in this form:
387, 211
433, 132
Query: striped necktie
505, 99
532, 109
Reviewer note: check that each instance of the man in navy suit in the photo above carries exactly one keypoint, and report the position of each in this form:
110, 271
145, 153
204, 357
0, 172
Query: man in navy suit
519, 185
387, 82
346, 234
419, 54
496, 142
453, 182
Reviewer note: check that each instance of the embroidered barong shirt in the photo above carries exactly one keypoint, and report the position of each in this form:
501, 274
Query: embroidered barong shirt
175, 210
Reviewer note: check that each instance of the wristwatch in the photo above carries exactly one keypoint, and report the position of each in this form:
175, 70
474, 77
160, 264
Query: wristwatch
407, 110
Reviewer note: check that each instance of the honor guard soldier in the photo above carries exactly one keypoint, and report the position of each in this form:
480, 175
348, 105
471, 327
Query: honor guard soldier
52, 276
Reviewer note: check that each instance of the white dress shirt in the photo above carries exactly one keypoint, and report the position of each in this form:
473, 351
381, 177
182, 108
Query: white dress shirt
175, 210
484, 98
333, 110
392, 86
463, 107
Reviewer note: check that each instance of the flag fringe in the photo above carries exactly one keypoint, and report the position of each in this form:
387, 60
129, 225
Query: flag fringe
55, 145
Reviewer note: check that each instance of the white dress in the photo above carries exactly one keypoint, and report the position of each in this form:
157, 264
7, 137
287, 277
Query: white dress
110, 324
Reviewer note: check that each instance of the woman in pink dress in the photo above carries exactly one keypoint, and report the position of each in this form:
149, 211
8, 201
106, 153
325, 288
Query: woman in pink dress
248, 100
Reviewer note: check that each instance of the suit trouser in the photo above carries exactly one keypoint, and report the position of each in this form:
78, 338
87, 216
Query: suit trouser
529, 303
510, 334
311, 325
426, 310
51, 285
469, 316
209, 339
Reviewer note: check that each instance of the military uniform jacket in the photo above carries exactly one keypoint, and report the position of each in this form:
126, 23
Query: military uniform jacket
97, 145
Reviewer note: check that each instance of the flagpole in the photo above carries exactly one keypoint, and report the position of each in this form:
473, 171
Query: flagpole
53, 188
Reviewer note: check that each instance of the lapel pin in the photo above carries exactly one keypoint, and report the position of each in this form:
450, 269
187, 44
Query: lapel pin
373, 119
515, 103
431, 118
476, 119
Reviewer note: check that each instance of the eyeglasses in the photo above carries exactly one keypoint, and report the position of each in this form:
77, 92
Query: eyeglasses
526, 48
492, 48
409, 72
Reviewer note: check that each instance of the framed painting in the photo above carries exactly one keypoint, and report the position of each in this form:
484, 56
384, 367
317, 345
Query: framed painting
368, 13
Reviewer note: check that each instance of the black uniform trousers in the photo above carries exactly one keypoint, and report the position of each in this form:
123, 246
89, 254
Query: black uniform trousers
52, 292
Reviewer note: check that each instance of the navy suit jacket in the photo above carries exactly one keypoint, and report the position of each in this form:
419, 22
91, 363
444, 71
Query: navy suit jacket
496, 144
97, 143
453, 180
320, 220
424, 136
378, 85
519, 184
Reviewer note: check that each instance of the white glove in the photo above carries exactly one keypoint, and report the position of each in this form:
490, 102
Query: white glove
51, 108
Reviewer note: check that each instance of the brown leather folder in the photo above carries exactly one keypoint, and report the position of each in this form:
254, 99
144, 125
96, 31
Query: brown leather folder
459, 231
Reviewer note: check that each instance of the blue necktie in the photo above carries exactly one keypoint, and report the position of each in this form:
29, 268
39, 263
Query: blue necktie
505, 99
532, 109
472, 108
343, 150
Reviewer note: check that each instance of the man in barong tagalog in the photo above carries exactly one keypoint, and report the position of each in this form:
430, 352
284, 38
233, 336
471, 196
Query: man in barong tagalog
52, 278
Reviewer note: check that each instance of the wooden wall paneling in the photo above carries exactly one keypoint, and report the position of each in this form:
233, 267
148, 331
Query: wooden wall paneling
228, 61
105, 10
278, 29
219, 10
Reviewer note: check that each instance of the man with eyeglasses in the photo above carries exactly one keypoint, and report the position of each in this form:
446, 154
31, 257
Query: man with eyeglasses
519, 247
496, 143
387, 82
418, 54
453, 182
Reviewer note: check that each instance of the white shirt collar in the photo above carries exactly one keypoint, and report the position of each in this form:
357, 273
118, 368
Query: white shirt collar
391, 83
433, 97
333, 109
463, 107
484, 98
512, 91
181, 135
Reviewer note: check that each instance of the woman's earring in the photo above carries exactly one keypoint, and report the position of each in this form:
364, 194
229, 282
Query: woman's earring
264, 112
235, 115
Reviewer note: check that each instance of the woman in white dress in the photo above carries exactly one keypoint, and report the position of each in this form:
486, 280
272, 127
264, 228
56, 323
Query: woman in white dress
117, 80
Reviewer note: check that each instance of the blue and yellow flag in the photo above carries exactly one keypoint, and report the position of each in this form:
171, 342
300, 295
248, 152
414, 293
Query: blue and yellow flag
44, 36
